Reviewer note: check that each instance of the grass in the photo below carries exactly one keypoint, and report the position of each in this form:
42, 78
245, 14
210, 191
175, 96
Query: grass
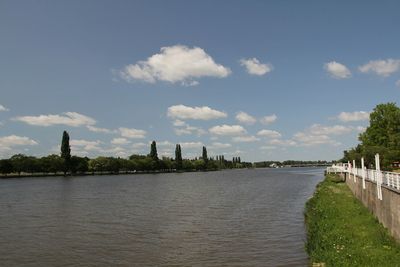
342, 232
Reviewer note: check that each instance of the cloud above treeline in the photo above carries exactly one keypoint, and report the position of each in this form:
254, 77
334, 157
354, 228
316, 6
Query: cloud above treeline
174, 64
194, 113
255, 67
382, 68
353, 116
73, 119
3, 108
337, 70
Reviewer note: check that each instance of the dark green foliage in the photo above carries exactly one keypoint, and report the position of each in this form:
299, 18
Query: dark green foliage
153, 151
204, 155
342, 232
178, 157
6, 166
65, 151
381, 136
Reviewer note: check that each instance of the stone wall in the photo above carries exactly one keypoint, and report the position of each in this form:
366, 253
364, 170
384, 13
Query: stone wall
386, 210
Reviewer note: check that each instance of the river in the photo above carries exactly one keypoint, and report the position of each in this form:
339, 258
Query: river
226, 218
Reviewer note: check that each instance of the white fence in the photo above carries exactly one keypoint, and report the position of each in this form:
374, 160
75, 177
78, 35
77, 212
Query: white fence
389, 179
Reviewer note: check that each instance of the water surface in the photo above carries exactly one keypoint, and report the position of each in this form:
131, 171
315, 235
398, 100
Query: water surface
225, 218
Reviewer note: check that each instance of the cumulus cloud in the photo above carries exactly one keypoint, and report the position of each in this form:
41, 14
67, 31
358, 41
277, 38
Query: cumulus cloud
280, 142
217, 145
353, 116
73, 119
120, 141
268, 119
227, 130
317, 129
245, 139
179, 123
7, 142
173, 64
183, 112
337, 70
190, 130
3, 108
99, 130
269, 134
191, 145
79, 144
306, 139
132, 133
245, 118
382, 68
255, 67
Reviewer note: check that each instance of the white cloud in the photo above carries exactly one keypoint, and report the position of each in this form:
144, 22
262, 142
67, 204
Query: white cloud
99, 130
6, 142
68, 118
190, 130
337, 70
190, 145
281, 142
245, 118
3, 108
306, 139
255, 67
217, 145
78, 144
269, 134
139, 145
173, 64
317, 129
183, 112
268, 119
382, 68
353, 116
179, 123
132, 133
120, 141
227, 130
245, 139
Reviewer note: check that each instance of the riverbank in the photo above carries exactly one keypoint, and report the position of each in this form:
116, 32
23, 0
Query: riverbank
342, 232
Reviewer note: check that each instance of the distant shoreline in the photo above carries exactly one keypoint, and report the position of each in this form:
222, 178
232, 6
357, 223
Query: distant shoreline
60, 174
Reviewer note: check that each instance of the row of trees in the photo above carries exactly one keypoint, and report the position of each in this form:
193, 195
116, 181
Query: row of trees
67, 163
381, 136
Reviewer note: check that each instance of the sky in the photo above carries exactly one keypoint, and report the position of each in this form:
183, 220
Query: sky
263, 80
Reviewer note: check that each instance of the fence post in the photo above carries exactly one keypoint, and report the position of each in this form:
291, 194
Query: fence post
363, 172
354, 170
378, 177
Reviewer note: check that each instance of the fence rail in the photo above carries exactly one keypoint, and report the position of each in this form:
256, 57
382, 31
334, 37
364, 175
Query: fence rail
389, 179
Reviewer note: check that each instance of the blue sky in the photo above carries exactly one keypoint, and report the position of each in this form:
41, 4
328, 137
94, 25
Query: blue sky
264, 80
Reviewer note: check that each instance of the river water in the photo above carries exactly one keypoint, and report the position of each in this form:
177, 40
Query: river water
225, 218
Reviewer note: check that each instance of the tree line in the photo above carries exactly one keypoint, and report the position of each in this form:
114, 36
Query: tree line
70, 164
381, 136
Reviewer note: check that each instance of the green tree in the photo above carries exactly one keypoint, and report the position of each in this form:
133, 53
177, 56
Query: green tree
153, 151
178, 157
6, 166
204, 155
65, 151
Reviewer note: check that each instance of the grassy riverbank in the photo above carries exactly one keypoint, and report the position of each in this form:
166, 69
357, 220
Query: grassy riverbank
342, 232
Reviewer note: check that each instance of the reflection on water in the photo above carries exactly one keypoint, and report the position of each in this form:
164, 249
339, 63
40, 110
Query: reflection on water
226, 218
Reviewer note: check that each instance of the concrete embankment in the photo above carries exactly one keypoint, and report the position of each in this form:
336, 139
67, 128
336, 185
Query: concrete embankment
387, 210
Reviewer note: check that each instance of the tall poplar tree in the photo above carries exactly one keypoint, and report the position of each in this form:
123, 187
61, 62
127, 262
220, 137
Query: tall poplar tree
205, 157
153, 151
65, 151
178, 156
